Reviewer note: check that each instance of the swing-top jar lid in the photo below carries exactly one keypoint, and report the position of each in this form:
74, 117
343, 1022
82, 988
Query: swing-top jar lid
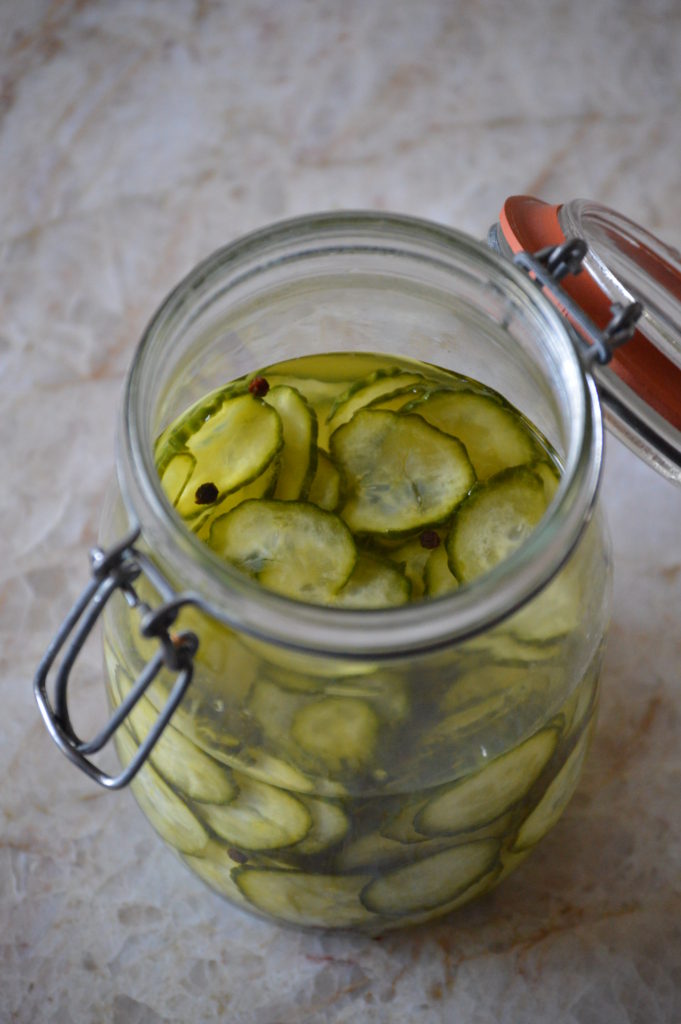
640, 387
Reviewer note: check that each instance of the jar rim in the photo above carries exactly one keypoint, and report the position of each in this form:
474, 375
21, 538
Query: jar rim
244, 604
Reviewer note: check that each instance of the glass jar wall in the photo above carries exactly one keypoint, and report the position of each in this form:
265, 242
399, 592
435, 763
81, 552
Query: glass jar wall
368, 768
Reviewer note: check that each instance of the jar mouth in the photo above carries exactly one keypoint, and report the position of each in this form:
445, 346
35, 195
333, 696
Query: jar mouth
242, 603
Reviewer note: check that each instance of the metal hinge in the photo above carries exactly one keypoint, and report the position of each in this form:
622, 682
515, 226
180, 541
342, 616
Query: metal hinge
548, 267
112, 570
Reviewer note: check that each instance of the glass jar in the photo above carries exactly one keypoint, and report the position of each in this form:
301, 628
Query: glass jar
338, 768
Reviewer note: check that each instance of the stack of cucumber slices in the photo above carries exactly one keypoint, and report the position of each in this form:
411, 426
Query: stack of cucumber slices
394, 485
338, 793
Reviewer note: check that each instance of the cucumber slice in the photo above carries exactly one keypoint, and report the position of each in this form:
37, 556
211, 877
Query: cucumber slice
325, 489
329, 826
274, 709
291, 547
401, 473
232, 447
177, 475
374, 583
400, 400
412, 557
297, 460
494, 435
272, 770
180, 761
557, 796
262, 487
167, 813
555, 612
261, 817
489, 792
549, 475
173, 439
478, 888
305, 899
378, 386
437, 576
340, 732
433, 881
387, 694
401, 827
482, 683
374, 851
503, 648
231, 666
493, 521
215, 867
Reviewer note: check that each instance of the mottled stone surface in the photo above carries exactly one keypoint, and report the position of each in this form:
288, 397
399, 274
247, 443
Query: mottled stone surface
134, 138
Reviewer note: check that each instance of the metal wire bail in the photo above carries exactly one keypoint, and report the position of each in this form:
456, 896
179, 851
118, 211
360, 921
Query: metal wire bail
548, 267
112, 570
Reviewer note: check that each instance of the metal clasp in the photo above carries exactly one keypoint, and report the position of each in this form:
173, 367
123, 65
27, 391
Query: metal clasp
117, 569
548, 267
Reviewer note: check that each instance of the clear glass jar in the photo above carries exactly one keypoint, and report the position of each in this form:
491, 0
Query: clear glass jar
463, 722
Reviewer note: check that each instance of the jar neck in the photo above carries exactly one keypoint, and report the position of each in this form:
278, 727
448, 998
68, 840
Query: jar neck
405, 247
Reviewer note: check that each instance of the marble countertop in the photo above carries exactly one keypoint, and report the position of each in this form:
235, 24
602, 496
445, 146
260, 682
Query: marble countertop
135, 137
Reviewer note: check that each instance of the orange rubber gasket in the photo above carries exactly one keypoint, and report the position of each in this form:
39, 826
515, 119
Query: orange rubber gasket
531, 224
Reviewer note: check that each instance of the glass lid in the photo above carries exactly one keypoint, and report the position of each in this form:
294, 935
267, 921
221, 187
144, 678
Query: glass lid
641, 387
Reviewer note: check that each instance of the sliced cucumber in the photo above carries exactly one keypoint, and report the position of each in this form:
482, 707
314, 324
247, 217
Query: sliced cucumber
556, 798
274, 709
231, 666
378, 386
215, 867
180, 761
305, 899
325, 489
291, 547
340, 732
261, 817
232, 447
549, 475
433, 881
400, 400
495, 436
438, 578
267, 768
386, 692
412, 557
168, 814
299, 451
503, 648
489, 792
177, 475
401, 473
476, 889
329, 826
483, 683
373, 850
493, 521
262, 487
555, 612
173, 439
374, 583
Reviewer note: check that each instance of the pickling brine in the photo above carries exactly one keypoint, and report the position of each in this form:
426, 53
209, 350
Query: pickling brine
344, 792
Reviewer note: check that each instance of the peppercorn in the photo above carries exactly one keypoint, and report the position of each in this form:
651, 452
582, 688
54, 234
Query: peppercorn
259, 387
206, 494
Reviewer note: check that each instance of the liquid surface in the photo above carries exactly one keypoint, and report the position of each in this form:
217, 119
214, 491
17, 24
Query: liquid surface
357, 480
